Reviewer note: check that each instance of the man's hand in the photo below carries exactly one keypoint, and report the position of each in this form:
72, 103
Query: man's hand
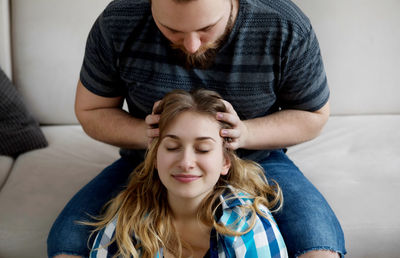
238, 134
152, 124
275, 131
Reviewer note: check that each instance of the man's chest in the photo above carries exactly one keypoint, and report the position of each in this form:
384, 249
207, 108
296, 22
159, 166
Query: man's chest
252, 91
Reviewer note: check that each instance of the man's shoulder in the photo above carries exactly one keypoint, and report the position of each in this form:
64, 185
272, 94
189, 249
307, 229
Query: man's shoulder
278, 13
122, 17
127, 8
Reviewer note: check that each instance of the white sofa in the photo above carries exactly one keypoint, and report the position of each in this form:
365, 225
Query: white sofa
355, 162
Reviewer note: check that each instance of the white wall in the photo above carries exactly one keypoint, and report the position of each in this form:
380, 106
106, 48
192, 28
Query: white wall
48, 46
360, 43
5, 52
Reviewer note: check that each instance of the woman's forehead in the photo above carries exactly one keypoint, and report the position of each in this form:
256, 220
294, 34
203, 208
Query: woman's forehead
193, 124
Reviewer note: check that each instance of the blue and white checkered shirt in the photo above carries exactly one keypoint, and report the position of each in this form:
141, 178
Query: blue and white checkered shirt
264, 240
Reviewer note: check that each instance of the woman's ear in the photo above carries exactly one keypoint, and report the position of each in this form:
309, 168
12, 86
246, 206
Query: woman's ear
226, 166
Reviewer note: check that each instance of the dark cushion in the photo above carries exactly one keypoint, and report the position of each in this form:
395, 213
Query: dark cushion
19, 132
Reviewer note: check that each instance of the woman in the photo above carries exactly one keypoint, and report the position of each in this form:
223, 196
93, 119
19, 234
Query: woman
191, 197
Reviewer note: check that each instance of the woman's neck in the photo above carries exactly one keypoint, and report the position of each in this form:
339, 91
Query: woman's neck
190, 229
184, 209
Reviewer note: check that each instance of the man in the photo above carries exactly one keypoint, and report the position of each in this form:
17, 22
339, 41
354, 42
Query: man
262, 56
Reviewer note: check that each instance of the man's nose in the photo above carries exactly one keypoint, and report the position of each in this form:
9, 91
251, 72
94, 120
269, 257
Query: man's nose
191, 42
188, 161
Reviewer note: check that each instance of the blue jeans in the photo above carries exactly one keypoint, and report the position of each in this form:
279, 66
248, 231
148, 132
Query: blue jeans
306, 220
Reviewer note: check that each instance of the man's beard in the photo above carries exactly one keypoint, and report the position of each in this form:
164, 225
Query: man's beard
204, 57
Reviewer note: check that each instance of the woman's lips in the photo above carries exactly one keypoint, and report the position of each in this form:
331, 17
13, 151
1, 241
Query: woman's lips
185, 178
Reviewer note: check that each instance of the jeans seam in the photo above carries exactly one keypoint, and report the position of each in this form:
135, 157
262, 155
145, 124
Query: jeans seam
67, 253
320, 248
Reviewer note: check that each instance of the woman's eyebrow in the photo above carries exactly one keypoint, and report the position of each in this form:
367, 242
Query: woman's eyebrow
201, 138
204, 138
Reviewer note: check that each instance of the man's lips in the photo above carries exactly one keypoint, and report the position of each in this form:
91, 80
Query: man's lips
185, 178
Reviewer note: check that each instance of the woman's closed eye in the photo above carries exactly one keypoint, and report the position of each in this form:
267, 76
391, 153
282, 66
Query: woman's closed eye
198, 150
172, 148
171, 145
204, 147
202, 151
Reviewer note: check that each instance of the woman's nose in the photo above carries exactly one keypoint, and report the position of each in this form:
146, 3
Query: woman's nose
191, 42
188, 160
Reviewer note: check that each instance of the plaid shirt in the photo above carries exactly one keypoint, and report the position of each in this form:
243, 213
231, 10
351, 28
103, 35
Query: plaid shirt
264, 240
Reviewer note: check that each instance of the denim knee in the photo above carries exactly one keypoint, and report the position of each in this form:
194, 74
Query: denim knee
306, 220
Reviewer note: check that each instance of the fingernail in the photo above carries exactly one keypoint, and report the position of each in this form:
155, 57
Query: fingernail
219, 115
224, 132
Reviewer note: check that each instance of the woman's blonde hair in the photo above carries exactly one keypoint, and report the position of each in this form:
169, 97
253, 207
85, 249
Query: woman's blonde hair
142, 209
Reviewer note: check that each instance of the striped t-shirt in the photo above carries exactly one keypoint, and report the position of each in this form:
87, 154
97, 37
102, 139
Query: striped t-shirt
270, 61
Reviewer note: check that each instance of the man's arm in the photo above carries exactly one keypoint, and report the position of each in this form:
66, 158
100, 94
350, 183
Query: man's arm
281, 129
103, 119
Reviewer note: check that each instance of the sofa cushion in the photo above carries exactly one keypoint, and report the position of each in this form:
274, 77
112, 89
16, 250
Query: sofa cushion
19, 132
42, 182
355, 164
